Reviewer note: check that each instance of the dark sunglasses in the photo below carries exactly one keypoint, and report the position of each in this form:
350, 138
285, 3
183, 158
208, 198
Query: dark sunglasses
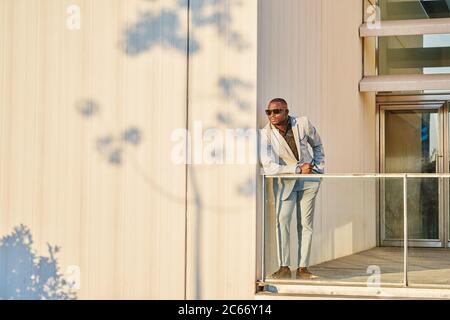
275, 111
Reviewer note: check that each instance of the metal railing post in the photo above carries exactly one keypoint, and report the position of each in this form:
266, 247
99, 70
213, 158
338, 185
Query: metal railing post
405, 230
263, 230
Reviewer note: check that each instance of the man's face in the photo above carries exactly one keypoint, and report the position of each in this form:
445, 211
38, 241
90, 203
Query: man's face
279, 113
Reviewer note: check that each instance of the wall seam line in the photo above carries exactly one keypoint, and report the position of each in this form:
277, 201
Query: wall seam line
187, 150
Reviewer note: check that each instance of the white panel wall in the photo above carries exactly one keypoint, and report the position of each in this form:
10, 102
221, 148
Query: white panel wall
119, 217
117, 207
222, 95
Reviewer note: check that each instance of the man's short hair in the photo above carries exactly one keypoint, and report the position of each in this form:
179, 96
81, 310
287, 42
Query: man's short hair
279, 100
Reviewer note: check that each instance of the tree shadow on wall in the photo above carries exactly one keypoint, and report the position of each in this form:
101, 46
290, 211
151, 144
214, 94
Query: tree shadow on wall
111, 146
165, 28
27, 276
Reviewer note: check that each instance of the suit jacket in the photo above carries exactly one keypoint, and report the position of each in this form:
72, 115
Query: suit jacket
277, 157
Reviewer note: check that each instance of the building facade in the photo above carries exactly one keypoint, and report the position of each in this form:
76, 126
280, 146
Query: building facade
94, 95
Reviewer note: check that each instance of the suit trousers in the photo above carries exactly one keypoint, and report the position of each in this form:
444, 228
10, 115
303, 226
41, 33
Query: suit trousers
302, 201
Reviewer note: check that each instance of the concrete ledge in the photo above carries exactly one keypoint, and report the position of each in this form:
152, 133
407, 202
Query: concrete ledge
405, 27
314, 291
410, 82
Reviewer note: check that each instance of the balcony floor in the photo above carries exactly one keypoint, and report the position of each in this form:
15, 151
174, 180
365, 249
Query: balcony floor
427, 266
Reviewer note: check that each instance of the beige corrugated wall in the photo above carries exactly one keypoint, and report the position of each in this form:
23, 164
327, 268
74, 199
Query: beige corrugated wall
86, 122
114, 205
222, 210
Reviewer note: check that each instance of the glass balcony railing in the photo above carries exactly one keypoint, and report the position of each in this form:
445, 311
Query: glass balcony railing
366, 230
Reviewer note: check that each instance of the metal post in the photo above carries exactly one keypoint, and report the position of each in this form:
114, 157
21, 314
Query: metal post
263, 230
405, 230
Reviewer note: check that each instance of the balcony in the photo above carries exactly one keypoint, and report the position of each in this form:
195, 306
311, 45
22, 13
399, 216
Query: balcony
375, 236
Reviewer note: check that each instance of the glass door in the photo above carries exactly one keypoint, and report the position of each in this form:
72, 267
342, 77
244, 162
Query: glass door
412, 141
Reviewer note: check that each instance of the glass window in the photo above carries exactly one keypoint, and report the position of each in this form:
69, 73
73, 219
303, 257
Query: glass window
417, 54
413, 9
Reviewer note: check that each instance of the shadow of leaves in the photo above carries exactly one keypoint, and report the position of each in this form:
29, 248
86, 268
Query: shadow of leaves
166, 28
26, 275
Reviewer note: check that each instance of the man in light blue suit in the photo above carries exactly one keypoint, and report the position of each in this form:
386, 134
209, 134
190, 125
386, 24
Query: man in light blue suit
284, 150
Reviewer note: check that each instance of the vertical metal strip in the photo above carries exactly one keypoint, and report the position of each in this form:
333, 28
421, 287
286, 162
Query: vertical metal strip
188, 37
405, 230
263, 230
444, 182
440, 168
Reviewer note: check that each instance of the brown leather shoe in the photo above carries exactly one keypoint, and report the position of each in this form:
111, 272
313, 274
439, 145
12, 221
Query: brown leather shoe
304, 274
282, 273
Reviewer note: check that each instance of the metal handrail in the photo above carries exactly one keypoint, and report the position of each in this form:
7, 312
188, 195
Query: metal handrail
404, 176
362, 175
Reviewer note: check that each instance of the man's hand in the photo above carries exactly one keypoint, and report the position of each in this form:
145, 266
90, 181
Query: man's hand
306, 168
